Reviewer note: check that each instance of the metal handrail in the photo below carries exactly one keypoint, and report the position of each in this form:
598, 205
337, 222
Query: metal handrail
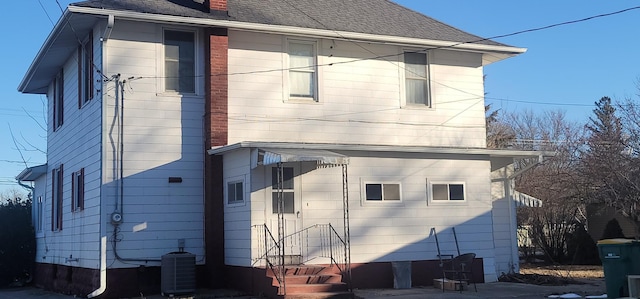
318, 240
268, 236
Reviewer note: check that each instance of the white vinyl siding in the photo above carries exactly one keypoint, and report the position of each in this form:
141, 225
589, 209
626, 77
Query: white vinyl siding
393, 232
162, 138
75, 145
361, 100
237, 218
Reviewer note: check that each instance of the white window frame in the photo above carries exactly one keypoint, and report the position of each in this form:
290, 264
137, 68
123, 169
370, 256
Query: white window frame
387, 202
197, 68
235, 180
403, 84
57, 199
58, 100
39, 213
287, 69
78, 192
430, 185
86, 60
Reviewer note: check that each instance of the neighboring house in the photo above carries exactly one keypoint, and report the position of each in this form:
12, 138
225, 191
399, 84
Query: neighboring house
599, 215
209, 127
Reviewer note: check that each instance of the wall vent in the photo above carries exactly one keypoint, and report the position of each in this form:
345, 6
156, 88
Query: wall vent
178, 273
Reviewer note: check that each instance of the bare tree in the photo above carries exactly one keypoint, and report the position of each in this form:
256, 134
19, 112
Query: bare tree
553, 182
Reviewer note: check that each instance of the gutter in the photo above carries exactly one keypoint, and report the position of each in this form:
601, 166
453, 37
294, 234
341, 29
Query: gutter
380, 148
298, 30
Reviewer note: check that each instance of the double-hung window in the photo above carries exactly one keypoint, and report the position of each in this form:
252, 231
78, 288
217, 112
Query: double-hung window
416, 79
85, 71
303, 77
382, 192
448, 192
179, 61
58, 100
56, 198
77, 190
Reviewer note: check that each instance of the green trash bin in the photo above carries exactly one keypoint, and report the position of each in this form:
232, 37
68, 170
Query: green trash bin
620, 257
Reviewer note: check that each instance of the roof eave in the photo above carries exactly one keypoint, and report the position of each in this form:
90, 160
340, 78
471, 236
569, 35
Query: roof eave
470, 46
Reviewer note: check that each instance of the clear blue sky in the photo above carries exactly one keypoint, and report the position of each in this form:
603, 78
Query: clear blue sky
572, 65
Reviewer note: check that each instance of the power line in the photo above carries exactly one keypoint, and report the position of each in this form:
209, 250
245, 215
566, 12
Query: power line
47, 13
422, 51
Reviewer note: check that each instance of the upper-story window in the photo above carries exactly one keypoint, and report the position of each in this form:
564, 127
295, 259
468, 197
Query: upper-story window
58, 100
303, 77
56, 198
85, 71
416, 79
179, 61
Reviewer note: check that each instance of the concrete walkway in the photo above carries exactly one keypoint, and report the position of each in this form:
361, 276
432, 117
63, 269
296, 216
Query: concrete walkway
494, 290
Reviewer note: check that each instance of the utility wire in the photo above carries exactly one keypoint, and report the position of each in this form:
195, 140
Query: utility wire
47, 13
422, 51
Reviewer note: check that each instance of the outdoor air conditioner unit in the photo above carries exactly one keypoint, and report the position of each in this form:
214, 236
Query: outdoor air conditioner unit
178, 273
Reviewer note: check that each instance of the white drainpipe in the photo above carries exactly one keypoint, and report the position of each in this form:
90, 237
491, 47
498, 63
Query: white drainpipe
103, 240
103, 269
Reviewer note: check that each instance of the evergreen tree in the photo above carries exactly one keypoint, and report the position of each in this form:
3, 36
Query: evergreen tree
610, 170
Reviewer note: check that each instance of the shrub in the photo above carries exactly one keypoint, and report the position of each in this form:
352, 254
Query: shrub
17, 242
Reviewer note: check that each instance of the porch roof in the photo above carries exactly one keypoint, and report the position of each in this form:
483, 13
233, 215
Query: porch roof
32, 173
329, 151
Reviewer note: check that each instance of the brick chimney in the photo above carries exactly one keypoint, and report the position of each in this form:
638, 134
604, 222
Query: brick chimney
216, 4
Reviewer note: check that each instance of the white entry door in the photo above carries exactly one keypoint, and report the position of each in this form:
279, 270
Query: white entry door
291, 210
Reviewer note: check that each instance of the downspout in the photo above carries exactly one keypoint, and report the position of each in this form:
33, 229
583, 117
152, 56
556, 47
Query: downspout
23, 185
103, 240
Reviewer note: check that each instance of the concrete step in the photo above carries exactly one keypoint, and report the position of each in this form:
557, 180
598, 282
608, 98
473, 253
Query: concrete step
310, 279
292, 289
325, 295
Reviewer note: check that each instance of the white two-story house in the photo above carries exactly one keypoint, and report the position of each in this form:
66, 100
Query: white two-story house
252, 133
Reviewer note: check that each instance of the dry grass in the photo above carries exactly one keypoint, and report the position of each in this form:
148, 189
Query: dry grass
565, 271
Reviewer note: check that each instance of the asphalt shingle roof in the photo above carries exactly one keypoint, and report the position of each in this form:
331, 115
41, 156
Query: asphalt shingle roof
381, 17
